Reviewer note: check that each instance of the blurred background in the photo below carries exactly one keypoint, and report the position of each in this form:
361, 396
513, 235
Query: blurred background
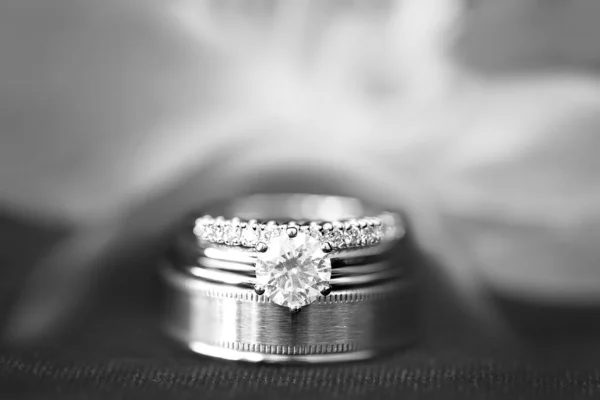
480, 119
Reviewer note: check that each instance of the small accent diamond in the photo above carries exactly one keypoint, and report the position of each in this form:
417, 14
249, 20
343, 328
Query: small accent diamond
216, 233
377, 233
335, 238
201, 228
367, 235
314, 232
249, 237
352, 236
232, 233
270, 231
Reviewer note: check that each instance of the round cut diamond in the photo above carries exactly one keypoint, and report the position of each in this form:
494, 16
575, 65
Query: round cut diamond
352, 236
368, 235
313, 231
249, 237
201, 229
232, 233
216, 234
377, 233
270, 232
335, 238
293, 271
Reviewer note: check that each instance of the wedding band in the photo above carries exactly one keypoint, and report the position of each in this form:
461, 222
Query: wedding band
234, 323
331, 257
241, 263
337, 222
372, 273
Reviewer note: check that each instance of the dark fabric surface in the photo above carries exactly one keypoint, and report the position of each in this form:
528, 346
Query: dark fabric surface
116, 349
411, 375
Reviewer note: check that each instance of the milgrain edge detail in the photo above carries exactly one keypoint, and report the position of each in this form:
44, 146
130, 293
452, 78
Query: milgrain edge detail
287, 350
333, 298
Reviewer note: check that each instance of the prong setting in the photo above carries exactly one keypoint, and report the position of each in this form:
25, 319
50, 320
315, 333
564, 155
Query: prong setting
326, 290
292, 231
261, 247
259, 290
295, 310
326, 247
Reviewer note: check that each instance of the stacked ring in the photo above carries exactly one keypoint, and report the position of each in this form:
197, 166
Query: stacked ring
237, 283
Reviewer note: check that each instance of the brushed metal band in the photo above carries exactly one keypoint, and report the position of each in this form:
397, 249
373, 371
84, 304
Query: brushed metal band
235, 323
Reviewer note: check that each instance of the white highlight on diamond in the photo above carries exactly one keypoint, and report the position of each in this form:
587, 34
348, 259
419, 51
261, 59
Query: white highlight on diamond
231, 234
249, 237
293, 271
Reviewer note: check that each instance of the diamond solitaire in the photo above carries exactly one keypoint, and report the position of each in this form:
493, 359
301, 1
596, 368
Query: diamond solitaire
293, 269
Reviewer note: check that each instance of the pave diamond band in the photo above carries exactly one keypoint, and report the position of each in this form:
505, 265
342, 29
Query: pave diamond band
351, 233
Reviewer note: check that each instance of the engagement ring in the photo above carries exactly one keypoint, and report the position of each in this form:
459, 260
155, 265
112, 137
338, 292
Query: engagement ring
291, 278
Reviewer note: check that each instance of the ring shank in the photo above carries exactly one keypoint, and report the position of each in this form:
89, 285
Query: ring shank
284, 207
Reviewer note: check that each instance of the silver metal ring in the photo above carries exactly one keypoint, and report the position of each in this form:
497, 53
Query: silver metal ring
336, 271
243, 261
232, 322
293, 262
339, 223
368, 274
236, 283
